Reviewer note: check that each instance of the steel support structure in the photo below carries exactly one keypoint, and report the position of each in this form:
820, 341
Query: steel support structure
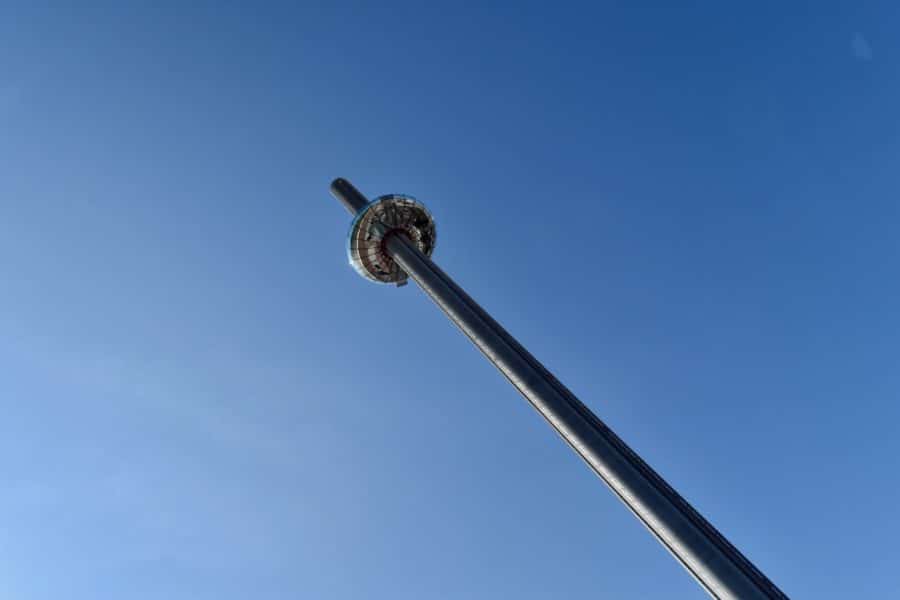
713, 561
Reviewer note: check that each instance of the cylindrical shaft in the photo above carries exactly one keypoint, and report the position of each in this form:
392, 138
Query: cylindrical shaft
704, 552
349, 196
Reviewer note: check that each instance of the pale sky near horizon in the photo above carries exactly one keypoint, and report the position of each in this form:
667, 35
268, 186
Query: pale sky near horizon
689, 213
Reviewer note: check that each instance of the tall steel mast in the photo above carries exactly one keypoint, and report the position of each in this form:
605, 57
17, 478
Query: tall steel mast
391, 239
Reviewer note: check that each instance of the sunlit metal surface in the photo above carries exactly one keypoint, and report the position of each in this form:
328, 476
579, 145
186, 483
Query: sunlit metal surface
392, 239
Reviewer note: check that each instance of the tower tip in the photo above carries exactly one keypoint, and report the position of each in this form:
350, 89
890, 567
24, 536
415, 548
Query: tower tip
350, 197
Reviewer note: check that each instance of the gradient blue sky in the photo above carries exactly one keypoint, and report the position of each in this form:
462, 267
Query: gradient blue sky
690, 213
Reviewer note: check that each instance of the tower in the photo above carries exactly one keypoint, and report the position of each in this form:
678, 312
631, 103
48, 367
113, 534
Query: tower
391, 240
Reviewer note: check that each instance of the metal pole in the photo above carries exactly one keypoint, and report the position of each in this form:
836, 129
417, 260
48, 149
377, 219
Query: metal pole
349, 196
717, 565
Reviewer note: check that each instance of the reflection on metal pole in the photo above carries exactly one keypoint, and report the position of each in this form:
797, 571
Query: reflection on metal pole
392, 239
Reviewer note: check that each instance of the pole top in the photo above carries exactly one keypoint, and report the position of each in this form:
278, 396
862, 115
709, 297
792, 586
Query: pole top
350, 197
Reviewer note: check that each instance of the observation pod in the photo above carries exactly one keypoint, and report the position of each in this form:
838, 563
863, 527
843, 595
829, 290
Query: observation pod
391, 239
393, 214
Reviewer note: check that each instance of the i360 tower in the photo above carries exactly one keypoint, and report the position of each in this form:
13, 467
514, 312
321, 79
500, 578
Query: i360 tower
391, 239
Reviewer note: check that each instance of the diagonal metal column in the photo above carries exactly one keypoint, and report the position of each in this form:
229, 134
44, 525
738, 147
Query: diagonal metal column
719, 567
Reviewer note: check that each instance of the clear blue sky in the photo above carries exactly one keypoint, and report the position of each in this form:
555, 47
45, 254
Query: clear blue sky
690, 213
